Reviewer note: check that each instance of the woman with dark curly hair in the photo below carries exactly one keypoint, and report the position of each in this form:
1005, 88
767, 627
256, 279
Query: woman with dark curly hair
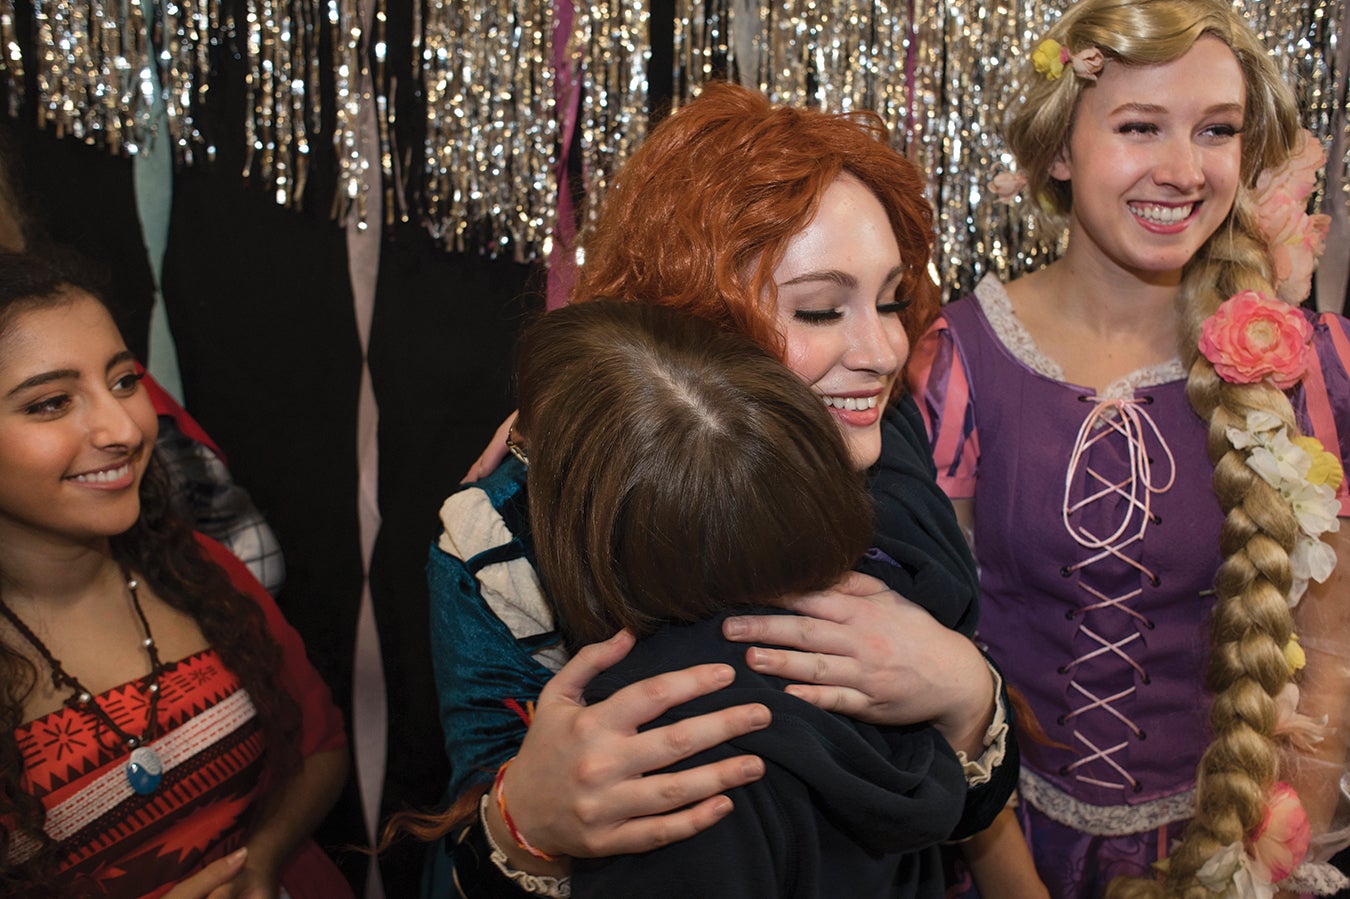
161, 732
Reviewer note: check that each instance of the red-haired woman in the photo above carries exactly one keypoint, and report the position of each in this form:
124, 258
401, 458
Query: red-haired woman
806, 232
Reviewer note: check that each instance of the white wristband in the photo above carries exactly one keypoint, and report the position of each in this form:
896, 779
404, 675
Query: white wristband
539, 884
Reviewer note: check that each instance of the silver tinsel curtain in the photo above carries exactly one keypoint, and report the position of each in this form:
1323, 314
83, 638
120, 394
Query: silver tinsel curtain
506, 88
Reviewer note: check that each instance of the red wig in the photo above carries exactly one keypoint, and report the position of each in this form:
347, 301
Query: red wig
702, 213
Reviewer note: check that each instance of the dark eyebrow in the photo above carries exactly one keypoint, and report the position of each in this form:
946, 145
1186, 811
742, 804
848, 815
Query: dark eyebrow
62, 374
834, 276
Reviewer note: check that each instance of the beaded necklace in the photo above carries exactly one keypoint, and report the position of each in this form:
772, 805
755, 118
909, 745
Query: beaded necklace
144, 767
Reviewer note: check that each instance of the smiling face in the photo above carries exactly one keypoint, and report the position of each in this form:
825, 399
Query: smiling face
839, 314
1154, 160
76, 429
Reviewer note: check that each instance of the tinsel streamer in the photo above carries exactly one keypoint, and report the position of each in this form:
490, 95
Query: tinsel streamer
939, 74
946, 108
979, 53
93, 75
492, 131
612, 51
187, 29
11, 58
282, 89
351, 84
701, 45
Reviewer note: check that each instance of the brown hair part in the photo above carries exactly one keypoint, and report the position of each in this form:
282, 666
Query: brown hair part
676, 470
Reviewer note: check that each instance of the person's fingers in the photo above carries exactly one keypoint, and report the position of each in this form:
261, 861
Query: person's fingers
645, 700
572, 678
855, 583
808, 667
646, 834
661, 747
659, 794
840, 700
492, 454
212, 877
800, 632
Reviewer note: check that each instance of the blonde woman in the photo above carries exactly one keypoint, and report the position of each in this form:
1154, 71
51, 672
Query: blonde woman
1112, 471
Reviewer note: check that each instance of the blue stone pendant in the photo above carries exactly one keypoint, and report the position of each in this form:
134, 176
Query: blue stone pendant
144, 770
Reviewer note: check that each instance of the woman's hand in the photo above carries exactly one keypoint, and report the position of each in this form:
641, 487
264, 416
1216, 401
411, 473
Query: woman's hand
250, 884
578, 788
862, 650
220, 873
493, 453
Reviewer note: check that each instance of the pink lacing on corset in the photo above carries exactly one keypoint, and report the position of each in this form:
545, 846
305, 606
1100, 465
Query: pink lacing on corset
1127, 420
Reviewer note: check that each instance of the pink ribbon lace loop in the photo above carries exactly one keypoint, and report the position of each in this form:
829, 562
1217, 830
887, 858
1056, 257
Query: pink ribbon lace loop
1123, 422
1126, 418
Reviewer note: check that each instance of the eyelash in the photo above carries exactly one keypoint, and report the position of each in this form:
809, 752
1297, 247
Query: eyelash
824, 316
1150, 128
52, 405
49, 406
134, 378
899, 306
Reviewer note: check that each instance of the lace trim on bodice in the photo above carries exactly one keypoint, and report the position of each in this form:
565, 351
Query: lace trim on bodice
997, 308
1103, 820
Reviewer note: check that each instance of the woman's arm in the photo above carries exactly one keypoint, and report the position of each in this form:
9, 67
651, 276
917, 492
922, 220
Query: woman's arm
1000, 861
290, 815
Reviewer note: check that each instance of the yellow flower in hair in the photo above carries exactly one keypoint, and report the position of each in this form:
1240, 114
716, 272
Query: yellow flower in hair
1049, 58
1325, 468
1294, 656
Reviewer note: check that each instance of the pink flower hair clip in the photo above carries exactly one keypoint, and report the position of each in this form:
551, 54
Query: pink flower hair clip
1007, 185
1050, 57
1294, 239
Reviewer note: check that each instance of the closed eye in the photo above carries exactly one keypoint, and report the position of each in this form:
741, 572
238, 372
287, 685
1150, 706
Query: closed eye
817, 316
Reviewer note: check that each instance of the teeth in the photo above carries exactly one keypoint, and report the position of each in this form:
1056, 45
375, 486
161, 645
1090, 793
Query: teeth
102, 477
851, 403
1161, 215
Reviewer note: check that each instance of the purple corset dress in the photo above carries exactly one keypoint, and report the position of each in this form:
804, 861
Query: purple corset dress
1097, 546
1096, 531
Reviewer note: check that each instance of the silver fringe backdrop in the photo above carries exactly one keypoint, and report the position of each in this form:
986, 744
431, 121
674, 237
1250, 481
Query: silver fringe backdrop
503, 85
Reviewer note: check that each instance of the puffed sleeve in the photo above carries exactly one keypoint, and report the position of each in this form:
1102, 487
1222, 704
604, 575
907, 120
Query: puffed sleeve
321, 728
937, 379
1323, 403
493, 641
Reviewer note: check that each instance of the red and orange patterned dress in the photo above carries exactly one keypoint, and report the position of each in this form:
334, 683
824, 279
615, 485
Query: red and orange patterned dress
117, 843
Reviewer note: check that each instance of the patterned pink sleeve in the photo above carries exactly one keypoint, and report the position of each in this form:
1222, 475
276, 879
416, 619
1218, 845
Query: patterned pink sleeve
936, 377
1324, 407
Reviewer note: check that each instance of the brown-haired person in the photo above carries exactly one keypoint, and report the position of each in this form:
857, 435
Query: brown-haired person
807, 233
678, 473
161, 731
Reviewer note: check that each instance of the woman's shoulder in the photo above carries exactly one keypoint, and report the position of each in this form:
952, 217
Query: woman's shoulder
484, 514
